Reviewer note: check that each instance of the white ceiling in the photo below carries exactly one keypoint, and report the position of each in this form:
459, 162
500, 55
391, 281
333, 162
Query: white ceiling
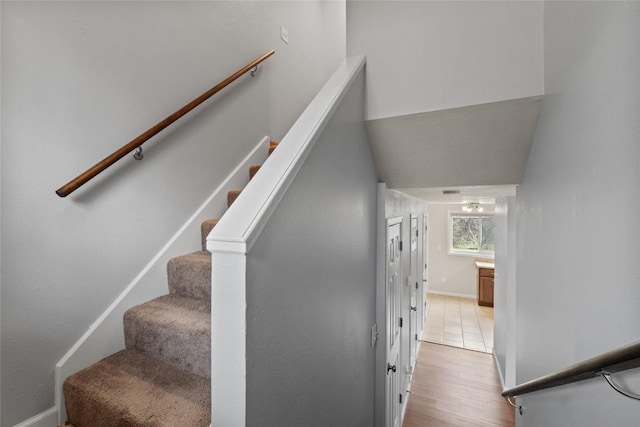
477, 145
480, 194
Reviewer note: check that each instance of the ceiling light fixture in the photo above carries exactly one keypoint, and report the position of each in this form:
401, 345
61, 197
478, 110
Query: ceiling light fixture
472, 207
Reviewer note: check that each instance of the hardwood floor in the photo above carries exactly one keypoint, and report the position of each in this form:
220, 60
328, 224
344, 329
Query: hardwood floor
452, 387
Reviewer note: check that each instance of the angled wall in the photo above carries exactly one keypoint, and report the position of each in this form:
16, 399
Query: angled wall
453, 88
476, 145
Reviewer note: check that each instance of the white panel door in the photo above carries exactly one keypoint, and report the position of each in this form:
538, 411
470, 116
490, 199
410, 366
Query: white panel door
414, 270
393, 310
424, 287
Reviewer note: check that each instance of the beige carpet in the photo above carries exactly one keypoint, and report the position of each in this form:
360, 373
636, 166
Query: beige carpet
162, 377
129, 389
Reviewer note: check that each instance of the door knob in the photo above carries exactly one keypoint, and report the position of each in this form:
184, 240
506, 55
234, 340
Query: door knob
391, 367
413, 309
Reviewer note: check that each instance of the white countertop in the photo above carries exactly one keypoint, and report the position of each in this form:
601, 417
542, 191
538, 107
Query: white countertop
481, 264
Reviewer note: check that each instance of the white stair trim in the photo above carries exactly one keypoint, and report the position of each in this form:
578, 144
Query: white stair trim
47, 418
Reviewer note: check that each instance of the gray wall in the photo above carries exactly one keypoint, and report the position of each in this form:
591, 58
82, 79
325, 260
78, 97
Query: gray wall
432, 55
311, 287
504, 293
80, 79
578, 292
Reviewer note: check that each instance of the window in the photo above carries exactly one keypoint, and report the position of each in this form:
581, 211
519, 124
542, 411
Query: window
471, 234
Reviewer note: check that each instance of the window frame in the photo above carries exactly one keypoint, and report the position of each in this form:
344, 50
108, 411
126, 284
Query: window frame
465, 252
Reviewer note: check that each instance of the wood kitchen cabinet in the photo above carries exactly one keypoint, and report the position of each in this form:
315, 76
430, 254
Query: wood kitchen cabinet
485, 286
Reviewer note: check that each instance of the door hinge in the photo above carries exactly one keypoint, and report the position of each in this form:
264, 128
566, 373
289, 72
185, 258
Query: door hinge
416, 285
416, 232
401, 322
416, 337
400, 397
400, 244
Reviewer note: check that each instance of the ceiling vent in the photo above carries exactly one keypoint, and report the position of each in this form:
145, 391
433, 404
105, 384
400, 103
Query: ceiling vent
449, 192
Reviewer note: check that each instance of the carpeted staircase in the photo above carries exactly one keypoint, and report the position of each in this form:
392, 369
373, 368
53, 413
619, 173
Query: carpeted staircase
162, 377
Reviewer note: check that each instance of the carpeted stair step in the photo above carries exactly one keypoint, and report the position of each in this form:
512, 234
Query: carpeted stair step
232, 196
132, 390
162, 378
173, 329
190, 275
253, 170
272, 146
205, 229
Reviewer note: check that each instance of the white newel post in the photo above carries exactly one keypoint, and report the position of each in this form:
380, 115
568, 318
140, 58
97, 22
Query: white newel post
228, 333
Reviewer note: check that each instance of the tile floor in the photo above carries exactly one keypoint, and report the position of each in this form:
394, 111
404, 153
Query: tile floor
458, 322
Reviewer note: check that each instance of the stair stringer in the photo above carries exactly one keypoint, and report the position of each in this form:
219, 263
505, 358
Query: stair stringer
232, 238
105, 336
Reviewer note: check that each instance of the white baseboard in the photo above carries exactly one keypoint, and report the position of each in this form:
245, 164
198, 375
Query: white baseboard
105, 335
48, 418
497, 362
453, 294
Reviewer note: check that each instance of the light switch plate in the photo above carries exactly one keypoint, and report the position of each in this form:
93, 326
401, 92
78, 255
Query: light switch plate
284, 34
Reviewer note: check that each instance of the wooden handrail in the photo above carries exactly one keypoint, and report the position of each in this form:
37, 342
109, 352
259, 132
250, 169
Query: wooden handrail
617, 360
90, 173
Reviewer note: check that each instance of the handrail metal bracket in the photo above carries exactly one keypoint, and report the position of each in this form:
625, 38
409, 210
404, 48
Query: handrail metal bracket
607, 376
515, 405
617, 360
253, 71
138, 154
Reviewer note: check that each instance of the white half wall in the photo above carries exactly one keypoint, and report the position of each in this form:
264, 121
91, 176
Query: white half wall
577, 207
311, 287
272, 255
433, 55
454, 275
80, 79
